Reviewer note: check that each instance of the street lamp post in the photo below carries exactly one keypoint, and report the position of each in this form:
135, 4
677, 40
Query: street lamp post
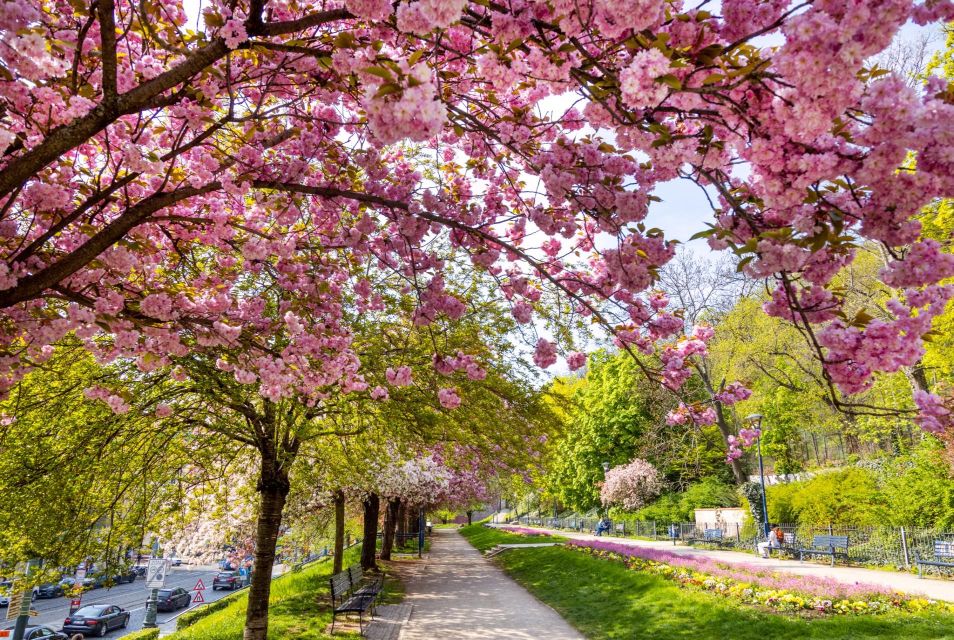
756, 420
606, 468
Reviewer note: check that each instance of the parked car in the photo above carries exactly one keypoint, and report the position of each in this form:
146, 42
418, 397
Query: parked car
49, 590
5, 593
125, 576
175, 562
172, 599
227, 580
35, 633
96, 620
140, 570
94, 582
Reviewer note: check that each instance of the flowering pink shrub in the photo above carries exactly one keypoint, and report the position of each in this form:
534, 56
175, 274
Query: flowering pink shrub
631, 485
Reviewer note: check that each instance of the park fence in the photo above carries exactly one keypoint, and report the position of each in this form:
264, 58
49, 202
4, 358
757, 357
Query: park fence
883, 546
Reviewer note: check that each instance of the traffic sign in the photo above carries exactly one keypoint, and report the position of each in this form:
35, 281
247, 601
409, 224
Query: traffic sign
156, 573
198, 598
199, 586
75, 604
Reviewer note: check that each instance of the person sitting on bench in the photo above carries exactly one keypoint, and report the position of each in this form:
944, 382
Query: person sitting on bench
775, 539
602, 525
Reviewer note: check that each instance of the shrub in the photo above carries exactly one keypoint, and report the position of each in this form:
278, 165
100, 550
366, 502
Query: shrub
708, 493
849, 497
143, 634
918, 489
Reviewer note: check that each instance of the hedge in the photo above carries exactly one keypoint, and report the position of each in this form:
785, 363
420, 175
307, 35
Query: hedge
191, 617
143, 634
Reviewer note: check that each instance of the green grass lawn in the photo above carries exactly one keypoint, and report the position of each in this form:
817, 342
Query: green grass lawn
486, 537
604, 599
299, 608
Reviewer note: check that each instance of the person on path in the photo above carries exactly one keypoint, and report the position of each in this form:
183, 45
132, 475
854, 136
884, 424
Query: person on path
775, 538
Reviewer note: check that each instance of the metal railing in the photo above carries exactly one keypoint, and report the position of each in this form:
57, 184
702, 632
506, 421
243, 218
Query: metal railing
884, 546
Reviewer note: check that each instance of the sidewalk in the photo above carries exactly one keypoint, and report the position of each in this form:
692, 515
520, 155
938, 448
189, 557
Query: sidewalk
903, 582
459, 594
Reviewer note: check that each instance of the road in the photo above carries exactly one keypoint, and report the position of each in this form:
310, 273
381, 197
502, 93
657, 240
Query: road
131, 597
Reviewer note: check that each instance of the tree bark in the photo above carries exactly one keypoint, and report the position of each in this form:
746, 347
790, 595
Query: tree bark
339, 531
372, 507
390, 525
470, 518
273, 487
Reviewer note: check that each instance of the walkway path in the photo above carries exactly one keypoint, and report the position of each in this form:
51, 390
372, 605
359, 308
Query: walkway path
459, 594
903, 582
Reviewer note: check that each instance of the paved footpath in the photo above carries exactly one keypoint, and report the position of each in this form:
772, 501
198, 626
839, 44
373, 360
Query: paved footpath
903, 582
459, 594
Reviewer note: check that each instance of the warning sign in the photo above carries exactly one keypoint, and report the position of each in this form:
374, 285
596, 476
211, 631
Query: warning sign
199, 586
198, 598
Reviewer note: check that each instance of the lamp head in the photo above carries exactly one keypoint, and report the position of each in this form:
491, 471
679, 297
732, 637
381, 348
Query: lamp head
755, 418
606, 466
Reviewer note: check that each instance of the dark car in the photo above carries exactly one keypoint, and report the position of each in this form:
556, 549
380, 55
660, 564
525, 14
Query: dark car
227, 580
49, 590
35, 633
172, 599
94, 582
125, 576
96, 620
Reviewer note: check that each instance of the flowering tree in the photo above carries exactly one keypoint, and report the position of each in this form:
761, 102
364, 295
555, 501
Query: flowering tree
258, 142
631, 485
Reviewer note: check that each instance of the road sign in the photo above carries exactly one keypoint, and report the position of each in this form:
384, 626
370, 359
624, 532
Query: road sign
75, 604
199, 586
156, 573
198, 598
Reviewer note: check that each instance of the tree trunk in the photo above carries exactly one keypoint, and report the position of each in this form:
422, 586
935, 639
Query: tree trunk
390, 525
339, 531
470, 517
273, 487
402, 519
372, 507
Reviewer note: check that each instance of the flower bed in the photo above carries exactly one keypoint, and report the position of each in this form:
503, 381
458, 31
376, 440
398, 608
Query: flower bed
755, 585
521, 531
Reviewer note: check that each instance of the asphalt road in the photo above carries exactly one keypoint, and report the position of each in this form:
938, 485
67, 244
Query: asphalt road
131, 597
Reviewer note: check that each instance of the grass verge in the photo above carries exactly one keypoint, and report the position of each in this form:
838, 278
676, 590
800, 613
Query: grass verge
299, 608
487, 537
604, 599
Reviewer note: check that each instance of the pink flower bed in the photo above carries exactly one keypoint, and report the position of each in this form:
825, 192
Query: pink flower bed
521, 531
740, 572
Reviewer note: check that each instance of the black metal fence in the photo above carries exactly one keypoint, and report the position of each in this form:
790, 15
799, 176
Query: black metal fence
896, 547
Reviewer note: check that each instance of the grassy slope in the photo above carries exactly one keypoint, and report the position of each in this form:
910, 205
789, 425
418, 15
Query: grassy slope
605, 600
486, 537
298, 610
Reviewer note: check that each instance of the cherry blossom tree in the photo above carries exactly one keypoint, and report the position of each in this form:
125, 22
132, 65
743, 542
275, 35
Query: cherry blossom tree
263, 141
631, 485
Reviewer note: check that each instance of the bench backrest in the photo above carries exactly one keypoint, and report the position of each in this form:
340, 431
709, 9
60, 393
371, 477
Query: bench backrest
712, 534
357, 574
943, 549
340, 586
838, 542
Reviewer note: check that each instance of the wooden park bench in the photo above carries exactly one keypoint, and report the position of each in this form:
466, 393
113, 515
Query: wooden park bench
344, 600
361, 586
787, 546
709, 536
826, 546
943, 556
